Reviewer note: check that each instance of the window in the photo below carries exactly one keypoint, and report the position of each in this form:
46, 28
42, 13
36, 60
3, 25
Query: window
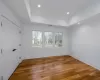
48, 39
37, 38
58, 39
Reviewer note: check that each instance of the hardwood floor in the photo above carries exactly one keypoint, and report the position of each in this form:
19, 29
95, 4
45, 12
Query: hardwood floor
55, 68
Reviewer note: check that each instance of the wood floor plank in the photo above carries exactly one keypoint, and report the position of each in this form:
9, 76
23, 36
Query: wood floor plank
55, 68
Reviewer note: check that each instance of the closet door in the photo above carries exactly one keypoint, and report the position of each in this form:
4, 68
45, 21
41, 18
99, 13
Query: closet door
1, 55
11, 40
0, 39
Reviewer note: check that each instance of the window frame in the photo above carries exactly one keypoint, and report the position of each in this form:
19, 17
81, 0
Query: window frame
55, 40
39, 46
49, 46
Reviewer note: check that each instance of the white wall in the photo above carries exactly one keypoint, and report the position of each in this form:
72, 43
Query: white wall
9, 40
85, 41
8, 13
32, 52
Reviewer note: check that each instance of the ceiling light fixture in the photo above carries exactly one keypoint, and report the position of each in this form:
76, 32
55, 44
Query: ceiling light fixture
78, 22
39, 5
68, 13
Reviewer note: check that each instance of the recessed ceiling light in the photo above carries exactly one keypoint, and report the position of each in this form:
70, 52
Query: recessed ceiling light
78, 22
68, 12
39, 5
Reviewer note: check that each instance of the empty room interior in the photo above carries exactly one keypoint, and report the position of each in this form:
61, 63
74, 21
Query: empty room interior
49, 39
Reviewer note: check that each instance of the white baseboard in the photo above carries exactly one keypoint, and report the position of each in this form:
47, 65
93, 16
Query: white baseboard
86, 62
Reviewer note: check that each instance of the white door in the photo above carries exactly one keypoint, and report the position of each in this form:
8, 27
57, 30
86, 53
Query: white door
0, 38
11, 40
1, 55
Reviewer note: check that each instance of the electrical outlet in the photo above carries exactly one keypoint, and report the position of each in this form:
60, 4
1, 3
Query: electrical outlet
1, 77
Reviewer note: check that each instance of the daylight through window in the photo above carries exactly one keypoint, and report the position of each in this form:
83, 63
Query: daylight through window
58, 39
37, 38
48, 39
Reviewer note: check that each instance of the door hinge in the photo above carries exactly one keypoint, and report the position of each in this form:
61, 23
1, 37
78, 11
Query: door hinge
1, 77
20, 32
1, 24
1, 51
20, 45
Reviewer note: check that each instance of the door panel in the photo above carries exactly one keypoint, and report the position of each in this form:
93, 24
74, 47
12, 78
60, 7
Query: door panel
0, 39
0, 47
10, 40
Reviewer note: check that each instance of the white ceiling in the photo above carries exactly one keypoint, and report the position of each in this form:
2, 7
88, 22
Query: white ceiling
53, 12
